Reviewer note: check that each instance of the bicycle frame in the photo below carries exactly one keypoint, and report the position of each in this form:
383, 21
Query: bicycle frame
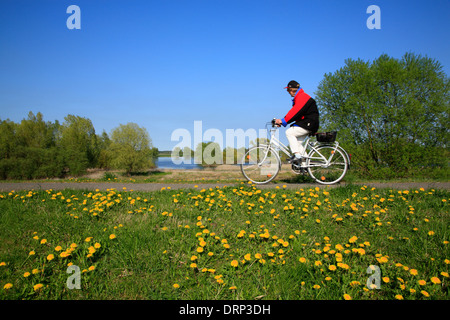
320, 161
277, 145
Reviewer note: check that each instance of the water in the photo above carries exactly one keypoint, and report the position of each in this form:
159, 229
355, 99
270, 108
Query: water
167, 163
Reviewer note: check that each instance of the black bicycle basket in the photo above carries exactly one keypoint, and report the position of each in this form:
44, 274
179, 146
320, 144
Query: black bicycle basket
326, 136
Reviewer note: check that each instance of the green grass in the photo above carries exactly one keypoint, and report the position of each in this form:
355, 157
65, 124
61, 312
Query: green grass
257, 244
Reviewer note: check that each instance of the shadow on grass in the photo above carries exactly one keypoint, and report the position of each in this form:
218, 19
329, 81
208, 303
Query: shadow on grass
295, 179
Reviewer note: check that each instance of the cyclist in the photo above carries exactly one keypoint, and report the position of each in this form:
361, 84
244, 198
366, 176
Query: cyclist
304, 116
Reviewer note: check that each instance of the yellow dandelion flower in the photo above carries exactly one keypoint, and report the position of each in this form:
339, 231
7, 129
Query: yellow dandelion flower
435, 280
347, 297
353, 239
50, 257
193, 265
200, 249
43, 241
97, 245
176, 285
234, 263
399, 297
8, 286
38, 286
426, 294
302, 260
112, 236
332, 267
422, 282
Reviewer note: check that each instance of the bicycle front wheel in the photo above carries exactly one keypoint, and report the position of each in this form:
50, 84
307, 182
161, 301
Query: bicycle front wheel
327, 164
260, 164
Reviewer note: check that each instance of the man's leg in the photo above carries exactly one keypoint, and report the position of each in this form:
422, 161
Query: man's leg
295, 136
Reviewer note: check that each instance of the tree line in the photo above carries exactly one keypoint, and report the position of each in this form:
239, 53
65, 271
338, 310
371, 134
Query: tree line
35, 148
391, 114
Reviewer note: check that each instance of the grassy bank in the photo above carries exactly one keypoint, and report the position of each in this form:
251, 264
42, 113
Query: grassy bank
220, 174
225, 243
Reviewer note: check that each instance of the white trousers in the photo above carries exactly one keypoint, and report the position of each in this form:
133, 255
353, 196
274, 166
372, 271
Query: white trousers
295, 136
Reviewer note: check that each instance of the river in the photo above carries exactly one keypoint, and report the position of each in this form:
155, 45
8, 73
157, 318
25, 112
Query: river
167, 163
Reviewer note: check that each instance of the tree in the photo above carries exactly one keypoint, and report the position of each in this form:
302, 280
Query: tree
208, 154
104, 157
79, 142
392, 115
130, 148
28, 149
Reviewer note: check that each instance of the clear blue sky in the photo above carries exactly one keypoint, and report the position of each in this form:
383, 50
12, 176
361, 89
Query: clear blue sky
164, 64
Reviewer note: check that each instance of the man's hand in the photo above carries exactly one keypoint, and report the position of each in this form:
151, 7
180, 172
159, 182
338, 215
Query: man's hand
278, 122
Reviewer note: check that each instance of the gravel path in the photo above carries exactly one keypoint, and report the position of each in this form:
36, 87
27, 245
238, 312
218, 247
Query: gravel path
102, 186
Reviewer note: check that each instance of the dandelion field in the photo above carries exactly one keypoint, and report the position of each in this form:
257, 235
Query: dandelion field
234, 242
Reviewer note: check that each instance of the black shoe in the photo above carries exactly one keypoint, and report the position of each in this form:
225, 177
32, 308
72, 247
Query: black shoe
295, 160
291, 159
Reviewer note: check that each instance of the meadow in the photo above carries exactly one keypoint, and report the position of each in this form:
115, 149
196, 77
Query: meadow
233, 242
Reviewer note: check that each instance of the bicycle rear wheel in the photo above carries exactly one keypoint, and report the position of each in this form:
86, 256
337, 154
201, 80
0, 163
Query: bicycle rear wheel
327, 164
260, 164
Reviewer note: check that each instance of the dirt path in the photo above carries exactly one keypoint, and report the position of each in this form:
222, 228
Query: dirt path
102, 186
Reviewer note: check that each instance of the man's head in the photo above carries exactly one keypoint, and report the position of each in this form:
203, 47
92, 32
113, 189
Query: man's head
292, 87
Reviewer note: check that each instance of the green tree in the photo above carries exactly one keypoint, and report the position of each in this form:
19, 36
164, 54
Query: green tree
35, 154
79, 142
391, 114
104, 156
8, 146
8, 140
131, 148
208, 154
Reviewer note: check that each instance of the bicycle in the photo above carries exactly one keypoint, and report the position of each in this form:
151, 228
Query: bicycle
326, 162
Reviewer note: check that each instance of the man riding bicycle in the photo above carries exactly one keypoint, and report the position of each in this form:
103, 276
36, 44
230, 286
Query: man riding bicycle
304, 117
